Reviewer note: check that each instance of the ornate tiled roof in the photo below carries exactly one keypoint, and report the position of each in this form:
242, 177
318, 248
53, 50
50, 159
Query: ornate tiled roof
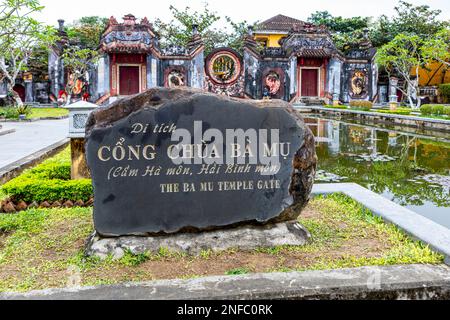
309, 45
132, 36
280, 23
129, 36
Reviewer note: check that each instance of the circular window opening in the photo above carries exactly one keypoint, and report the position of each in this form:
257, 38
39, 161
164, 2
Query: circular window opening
224, 67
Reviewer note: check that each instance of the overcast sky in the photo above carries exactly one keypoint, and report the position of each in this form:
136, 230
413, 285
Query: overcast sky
238, 10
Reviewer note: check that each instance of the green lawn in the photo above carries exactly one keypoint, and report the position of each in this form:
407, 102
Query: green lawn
44, 249
37, 113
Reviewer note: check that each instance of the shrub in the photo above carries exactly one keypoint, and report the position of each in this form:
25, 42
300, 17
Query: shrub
435, 109
57, 167
361, 104
447, 110
400, 111
444, 90
49, 181
14, 112
426, 109
438, 109
336, 107
9, 113
52, 170
35, 189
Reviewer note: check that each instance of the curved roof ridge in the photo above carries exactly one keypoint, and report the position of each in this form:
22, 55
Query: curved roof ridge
280, 23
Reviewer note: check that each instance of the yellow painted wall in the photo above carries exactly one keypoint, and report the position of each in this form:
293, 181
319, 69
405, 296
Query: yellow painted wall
433, 75
272, 39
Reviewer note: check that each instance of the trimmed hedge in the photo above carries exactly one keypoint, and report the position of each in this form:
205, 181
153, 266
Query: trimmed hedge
336, 107
49, 181
8, 113
444, 89
14, 112
435, 109
361, 104
400, 111
50, 171
30, 190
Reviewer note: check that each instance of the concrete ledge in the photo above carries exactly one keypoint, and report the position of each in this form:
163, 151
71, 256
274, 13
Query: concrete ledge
393, 282
4, 132
419, 227
13, 170
34, 120
412, 121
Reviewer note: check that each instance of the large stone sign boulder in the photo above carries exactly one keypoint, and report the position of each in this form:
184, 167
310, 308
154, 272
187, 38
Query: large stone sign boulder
179, 160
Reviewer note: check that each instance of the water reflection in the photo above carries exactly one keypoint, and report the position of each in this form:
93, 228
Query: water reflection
411, 169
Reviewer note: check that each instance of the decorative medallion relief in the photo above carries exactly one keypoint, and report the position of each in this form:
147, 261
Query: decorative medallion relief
224, 73
359, 83
273, 80
175, 77
272, 83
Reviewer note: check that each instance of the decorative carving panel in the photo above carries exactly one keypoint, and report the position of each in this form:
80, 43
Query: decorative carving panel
359, 84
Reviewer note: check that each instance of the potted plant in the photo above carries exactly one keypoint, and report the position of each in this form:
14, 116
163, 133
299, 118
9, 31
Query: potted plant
22, 111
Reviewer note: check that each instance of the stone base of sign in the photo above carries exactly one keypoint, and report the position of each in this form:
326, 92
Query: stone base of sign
80, 169
243, 238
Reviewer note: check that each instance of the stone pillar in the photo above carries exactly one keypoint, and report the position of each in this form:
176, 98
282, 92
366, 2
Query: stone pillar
334, 80
78, 115
335, 99
393, 98
29, 91
3, 90
293, 75
79, 169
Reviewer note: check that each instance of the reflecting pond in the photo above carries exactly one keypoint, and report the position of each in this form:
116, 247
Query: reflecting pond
411, 169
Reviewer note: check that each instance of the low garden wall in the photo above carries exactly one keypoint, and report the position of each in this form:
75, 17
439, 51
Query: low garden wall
385, 118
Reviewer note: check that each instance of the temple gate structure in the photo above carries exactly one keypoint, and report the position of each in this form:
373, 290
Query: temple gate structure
132, 61
305, 67
284, 58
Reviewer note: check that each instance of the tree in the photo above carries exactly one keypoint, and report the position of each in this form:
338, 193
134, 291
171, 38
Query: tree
438, 47
346, 32
408, 19
178, 32
404, 57
87, 31
77, 62
419, 20
339, 24
20, 37
235, 39
10, 10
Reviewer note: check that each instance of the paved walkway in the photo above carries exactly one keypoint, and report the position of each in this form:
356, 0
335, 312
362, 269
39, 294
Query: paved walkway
30, 137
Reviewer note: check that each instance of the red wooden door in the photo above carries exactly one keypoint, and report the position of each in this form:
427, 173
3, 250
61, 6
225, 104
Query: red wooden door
310, 81
20, 90
129, 80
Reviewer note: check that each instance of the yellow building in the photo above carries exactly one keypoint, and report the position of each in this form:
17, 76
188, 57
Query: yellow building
270, 32
434, 74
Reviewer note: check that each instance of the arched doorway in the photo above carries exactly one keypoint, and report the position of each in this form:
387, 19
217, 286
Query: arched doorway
20, 90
